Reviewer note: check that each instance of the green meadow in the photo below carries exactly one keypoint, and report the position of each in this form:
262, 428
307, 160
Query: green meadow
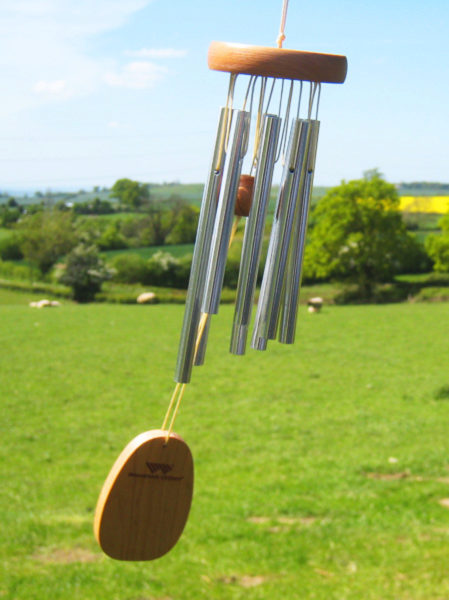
321, 469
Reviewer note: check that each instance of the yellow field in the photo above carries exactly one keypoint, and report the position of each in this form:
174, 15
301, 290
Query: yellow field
424, 204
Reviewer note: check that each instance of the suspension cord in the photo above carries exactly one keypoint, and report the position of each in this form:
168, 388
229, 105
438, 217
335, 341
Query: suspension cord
281, 36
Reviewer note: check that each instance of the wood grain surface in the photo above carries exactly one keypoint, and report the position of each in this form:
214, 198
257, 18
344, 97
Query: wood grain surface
277, 62
145, 501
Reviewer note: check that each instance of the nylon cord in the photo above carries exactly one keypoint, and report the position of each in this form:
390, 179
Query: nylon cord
281, 36
180, 388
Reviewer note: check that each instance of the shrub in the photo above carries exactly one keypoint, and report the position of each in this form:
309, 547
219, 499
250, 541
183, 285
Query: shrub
386, 293
182, 272
414, 258
161, 269
36, 287
438, 279
129, 268
184, 227
10, 270
231, 275
46, 236
84, 272
10, 249
112, 238
437, 247
432, 294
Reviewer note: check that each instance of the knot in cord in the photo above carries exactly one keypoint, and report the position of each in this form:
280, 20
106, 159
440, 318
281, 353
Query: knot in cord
281, 38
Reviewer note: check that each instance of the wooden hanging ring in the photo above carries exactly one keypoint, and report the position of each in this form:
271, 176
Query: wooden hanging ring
277, 62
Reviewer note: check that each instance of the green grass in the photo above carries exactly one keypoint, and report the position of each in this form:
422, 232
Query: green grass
15, 297
422, 224
177, 250
118, 216
191, 192
319, 466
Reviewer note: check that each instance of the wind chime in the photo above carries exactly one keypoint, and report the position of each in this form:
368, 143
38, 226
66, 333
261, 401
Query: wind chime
145, 500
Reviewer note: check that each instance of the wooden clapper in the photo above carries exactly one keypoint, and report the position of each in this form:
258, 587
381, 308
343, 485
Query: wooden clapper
145, 500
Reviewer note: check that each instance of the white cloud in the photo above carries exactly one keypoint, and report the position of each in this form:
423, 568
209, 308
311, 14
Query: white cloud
135, 75
57, 87
46, 53
75, 17
156, 53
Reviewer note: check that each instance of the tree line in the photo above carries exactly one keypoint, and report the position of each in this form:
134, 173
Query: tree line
356, 235
43, 233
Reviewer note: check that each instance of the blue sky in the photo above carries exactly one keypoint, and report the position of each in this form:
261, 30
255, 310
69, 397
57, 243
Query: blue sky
95, 90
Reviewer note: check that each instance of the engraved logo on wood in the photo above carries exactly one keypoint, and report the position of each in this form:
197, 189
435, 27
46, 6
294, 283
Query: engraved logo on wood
154, 468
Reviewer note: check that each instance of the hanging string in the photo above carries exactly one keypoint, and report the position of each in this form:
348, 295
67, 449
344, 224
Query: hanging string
180, 388
263, 86
270, 95
228, 118
281, 36
283, 140
170, 406
313, 89
235, 225
318, 101
252, 80
298, 111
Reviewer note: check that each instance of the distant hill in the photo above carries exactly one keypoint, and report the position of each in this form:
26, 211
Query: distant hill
54, 197
193, 192
423, 188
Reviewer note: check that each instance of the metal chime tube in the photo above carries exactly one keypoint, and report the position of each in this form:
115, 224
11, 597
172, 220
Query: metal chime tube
294, 269
192, 314
300, 168
218, 249
267, 314
201, 352
252, 240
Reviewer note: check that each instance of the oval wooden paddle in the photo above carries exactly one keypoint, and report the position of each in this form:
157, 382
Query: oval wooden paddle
145, 501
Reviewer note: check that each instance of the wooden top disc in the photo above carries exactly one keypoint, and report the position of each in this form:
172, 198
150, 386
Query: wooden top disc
145, 501
277, 62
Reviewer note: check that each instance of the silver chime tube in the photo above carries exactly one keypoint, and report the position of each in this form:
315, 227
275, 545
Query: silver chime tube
218, 249
267, 314
295, 260
252, 240
300, 168
201, 351
192, 313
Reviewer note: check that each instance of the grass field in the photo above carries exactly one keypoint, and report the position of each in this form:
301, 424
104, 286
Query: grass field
177, 250
322, 469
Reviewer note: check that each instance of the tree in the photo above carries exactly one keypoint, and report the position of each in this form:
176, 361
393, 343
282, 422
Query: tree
84, 272
184, 227
112, 238
437, 246
131, 193
159, 223
358, 235
46, 236
10, 213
